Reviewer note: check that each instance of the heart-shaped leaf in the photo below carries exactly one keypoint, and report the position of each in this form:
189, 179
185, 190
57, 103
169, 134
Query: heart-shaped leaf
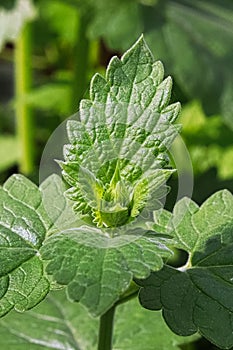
97, 266
198, 296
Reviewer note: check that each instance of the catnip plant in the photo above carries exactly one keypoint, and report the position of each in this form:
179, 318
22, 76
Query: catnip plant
101, 232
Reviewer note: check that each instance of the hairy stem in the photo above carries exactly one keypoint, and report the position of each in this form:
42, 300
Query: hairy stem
106, 330
24, 120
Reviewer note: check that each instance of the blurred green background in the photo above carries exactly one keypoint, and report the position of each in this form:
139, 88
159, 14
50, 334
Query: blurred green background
50, 49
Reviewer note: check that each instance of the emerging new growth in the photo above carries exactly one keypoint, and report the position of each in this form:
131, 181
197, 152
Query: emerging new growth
101, 232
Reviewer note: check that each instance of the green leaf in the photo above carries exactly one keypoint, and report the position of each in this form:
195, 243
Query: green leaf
45, 327
9, 151
23, 227
98, 265
127, 31
121, 142
198, 296
56, 323
65, 30
137, 328
197, 40
115, 166
189, 37
57, 206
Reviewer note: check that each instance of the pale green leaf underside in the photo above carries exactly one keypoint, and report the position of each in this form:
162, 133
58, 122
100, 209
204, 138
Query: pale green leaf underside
97, 268
23, 226
45, 327
198, 296
58, 324
126, 126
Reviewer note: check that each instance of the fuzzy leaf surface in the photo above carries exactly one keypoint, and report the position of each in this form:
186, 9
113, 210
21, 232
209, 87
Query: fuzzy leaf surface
116, 167
120, 143
198, 296
23, 227
58, 324
97, 268
57, 206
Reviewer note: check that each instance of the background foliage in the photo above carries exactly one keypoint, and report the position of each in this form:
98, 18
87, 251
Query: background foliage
66, 42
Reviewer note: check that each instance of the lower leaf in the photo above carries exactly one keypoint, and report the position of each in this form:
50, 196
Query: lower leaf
98, 269
58, 324
197, 297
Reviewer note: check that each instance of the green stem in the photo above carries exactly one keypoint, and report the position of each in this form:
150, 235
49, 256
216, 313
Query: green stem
107, 319
106, 330
189, 347
81, 62
23, 112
